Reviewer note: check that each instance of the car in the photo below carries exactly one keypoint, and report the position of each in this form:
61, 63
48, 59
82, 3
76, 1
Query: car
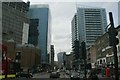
24, 74
74, 75
55, 75
49, 71
67, 72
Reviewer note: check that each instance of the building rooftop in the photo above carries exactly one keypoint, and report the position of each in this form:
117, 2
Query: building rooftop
39, 6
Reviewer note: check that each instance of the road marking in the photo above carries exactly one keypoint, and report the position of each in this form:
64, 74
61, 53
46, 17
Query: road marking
8, 76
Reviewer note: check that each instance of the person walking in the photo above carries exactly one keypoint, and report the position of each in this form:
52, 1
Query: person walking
107, 71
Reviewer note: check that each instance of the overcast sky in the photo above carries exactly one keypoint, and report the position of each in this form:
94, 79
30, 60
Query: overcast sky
62, 13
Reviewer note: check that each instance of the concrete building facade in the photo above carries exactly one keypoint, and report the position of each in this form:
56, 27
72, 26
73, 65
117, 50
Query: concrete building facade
104, 52
15, 22
91, 51
30, 55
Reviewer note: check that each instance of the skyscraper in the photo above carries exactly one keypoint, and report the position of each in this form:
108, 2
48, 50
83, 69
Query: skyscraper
33, 32
61, 58
42, 14
15, 22
88, 24
52, 54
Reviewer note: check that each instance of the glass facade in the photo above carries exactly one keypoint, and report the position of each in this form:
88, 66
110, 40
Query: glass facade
42, 13
74, 30
91, 24
33, 32
61, 58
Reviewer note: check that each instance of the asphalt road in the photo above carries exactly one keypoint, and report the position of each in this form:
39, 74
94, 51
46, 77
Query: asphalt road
47, 75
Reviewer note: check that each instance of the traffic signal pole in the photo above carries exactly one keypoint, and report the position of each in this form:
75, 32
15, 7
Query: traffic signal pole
116, 63
114, 46
83, 44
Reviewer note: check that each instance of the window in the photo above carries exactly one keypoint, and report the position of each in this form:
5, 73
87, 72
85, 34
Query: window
100, 61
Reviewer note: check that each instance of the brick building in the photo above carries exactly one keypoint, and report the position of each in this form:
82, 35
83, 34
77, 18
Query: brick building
30, 55
102, 51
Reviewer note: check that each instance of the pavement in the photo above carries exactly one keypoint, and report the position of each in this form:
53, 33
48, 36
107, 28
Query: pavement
41, 75
63, 76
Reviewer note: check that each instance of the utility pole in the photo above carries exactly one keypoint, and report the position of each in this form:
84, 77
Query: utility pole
113, 41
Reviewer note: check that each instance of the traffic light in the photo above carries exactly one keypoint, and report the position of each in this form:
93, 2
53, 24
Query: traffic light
112, 36
113, 42
89, 66
112, 33
116, 39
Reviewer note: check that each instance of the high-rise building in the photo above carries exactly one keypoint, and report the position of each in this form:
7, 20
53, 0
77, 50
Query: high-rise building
15, 22
88, 24
33, 32
61, 58
42, 13
74, 29
52, 54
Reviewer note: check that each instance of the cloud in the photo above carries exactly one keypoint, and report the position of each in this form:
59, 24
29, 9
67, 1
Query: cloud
62, 22
62, 14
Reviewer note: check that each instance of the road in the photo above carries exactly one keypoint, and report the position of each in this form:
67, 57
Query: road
45, 76
41, 75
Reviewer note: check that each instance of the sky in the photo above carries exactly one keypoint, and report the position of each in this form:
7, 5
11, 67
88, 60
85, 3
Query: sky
62, 12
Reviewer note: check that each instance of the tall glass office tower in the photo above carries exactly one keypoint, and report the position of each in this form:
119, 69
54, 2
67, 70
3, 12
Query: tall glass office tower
88, 24
42, 14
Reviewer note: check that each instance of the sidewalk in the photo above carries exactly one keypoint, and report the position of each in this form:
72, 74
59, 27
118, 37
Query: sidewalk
104, 78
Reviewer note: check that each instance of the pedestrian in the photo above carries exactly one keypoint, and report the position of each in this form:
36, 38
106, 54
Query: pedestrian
107, 71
